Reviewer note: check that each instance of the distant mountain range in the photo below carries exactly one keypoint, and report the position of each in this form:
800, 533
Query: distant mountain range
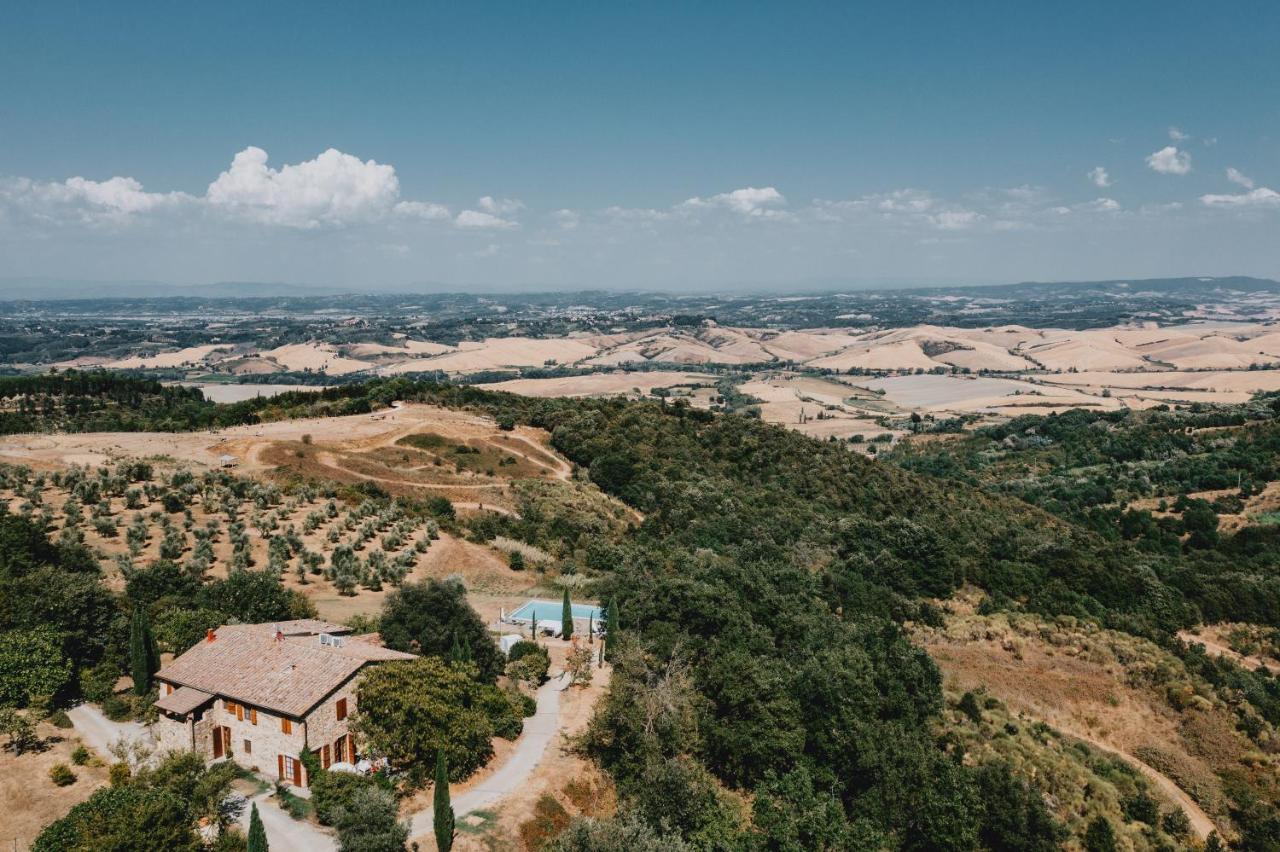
51, 289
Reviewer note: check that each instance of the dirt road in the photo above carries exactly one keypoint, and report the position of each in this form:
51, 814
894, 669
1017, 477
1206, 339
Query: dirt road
1201, 824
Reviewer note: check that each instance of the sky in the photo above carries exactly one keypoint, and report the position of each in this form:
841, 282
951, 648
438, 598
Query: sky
680, 146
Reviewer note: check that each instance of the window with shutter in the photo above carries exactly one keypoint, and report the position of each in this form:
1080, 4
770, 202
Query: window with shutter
342, 709
286, 726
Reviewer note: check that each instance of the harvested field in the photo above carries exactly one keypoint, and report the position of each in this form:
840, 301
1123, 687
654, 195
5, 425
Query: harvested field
602, 384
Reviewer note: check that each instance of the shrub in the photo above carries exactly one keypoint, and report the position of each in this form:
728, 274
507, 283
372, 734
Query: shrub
1142, 808
62, 775
1100, 836
549, 820
60, 719
528, 663
370, 822
80, 755
1176, 824
622, 834
119, 774
20, 730
969, 706
117, 709
98, 683
332, 792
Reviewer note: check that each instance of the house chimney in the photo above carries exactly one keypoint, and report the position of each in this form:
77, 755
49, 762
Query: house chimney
209, 635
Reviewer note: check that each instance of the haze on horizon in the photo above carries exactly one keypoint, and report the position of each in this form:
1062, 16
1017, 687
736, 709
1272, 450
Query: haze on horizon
659, 147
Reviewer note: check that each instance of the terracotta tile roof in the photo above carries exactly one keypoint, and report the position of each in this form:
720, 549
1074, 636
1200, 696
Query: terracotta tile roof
306, 627
246, 663
183, 700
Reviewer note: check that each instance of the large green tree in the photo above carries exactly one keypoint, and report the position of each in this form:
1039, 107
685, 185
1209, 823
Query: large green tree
32, 663
412, 710
432, 618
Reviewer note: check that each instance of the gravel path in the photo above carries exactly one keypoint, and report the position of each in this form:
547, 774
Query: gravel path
539, 730
284, 833
98, 732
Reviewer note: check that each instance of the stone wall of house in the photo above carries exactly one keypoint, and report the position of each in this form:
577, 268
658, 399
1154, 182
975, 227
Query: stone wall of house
265, 740
323, 725
171, 734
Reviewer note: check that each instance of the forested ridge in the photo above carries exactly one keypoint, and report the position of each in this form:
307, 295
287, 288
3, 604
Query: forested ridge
764, 693
1132, 478
100, 401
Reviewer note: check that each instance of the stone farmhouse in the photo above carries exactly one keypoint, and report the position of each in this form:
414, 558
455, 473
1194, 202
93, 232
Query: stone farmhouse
265, 694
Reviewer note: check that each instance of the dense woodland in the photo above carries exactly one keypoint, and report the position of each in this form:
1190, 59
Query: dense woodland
765, 694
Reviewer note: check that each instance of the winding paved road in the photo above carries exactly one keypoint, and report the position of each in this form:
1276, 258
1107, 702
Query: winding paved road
539, 730
284, 833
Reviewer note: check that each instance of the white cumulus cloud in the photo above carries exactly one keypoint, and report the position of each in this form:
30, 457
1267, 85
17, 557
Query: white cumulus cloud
500, 206
422, 210
480, 220
1260, 197
956, 220
1239, 178
1099, 205
1100, 177
333, 189
567, 219
116, 199
1170, 161
749, 201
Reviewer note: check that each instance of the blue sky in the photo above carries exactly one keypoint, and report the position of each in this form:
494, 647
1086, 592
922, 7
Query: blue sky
660, 145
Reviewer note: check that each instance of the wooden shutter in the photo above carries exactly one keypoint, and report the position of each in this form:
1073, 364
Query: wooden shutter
240, 712
324, 757
342, 709
253, 715
286, 726
280, 766
297, 773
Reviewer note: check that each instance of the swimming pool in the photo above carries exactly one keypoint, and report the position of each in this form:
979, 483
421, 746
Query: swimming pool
552, 610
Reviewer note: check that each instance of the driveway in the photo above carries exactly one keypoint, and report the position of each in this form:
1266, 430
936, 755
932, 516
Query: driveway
539, 730
284, 833
98, 732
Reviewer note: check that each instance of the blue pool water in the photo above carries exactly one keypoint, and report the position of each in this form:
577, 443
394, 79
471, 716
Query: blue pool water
552, 610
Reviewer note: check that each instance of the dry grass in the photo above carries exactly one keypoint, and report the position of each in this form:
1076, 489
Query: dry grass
1112, 689
28, 799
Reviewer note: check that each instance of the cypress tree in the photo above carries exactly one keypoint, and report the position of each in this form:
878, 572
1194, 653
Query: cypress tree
611, 627
443, 809
143, 654
257, 834
566, 618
